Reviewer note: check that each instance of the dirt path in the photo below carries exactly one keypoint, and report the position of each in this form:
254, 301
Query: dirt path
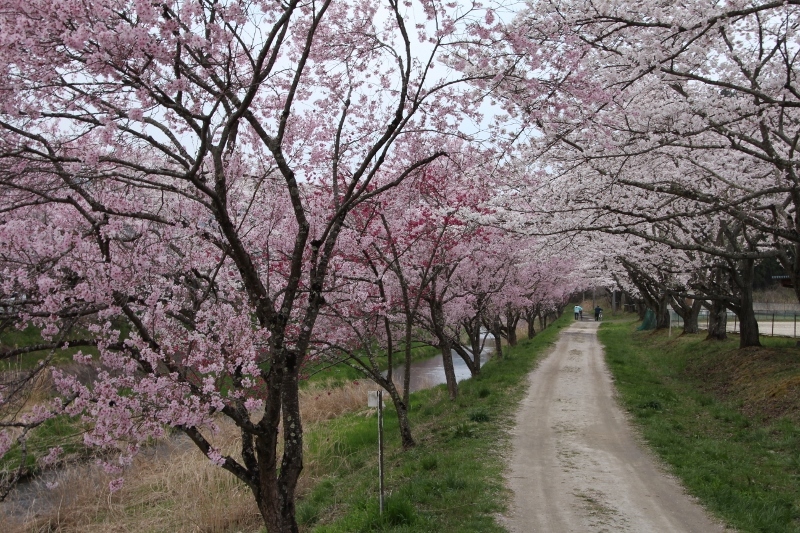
576, 466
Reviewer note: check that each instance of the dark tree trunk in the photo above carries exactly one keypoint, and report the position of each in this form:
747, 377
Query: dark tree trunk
401, 408
530, 320
512, 319
449, 371
496, 330
690, 324
717, 321
748, 335
473, 363
662, 313
438, 325
275, 490
473, 329
512, 337
687, 311
407, 365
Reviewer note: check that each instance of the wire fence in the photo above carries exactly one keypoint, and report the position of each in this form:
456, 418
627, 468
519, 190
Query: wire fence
772, 323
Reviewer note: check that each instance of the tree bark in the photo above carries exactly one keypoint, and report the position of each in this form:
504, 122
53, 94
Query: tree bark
438, 327
473, 363
275, 490
748, 334
717, 321
449, 371
687, 311
496, 331
406, 438
690, 320
662, 312
407, 365
512, 319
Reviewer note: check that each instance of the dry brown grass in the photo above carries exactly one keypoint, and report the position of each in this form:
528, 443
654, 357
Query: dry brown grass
171, 487
321, 402
32, 391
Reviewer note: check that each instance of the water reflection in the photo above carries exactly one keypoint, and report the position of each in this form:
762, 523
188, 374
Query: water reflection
430, 372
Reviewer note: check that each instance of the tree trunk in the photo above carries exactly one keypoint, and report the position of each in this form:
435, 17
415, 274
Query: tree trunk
717, 321
498, 346
512, 319
449, 371
662, 313
473, 363
496, 331
473, 329
438, 323
275, 491
512, 336
401, 408
407, 365
748, 332
688, 312
531, 327
690, 324
748, 335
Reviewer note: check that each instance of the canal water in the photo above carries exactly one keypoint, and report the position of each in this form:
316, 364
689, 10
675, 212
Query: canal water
430, 372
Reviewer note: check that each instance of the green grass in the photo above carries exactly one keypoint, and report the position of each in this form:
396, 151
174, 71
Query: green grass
338, 374
724, 420
31, 336
63, 431
450, 482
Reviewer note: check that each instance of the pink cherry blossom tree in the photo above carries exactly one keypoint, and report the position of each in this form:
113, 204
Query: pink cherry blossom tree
188, 168
686, 129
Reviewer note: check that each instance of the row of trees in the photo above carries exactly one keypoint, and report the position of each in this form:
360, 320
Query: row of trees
212, 194
679, 143
418, 269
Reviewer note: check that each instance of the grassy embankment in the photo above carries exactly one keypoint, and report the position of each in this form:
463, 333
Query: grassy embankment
67, 432
451, 482
60, 431
725, 420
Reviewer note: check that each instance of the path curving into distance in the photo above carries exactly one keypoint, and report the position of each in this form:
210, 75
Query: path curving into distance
576, 465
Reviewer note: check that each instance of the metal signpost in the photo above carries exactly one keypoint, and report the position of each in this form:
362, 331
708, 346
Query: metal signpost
375, 399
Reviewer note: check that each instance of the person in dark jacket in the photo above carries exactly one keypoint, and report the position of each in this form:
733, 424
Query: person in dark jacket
598, 313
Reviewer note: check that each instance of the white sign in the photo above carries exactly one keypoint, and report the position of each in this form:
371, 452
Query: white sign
372, 398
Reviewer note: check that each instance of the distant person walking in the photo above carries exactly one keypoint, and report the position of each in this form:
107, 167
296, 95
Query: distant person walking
578, 312
598, 313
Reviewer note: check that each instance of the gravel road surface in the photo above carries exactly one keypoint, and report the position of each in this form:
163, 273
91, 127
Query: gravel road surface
576, 465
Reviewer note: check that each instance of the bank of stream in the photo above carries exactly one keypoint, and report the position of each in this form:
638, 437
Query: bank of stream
35, 495
427, 373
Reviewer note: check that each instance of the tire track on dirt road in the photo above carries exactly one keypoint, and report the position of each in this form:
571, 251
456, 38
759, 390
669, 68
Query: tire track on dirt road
576, 466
